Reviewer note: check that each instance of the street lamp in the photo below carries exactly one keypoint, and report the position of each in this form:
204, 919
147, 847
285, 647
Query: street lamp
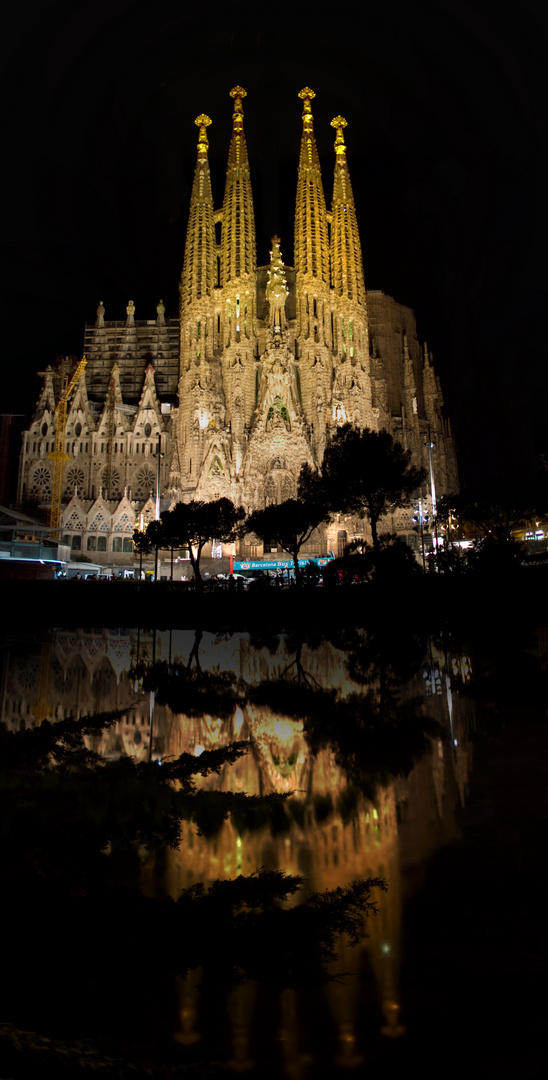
159, 456
420, 519
430, 446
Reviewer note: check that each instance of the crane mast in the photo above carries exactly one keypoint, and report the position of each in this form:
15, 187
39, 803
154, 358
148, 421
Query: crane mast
58, 456
111, 430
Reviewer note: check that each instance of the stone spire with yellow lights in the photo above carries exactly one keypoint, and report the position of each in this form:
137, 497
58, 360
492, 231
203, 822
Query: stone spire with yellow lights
314, 331
311, 235
352, 397
199, 276
346, 254
236, 300
238, 248
199, 402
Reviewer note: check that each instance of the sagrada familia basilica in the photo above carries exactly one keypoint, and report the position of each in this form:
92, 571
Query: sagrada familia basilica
231, 398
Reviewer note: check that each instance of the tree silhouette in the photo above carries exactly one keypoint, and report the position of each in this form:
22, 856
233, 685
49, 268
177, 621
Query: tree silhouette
74, 825
142, 543
368, 472
290, 524
193, 524
376, 732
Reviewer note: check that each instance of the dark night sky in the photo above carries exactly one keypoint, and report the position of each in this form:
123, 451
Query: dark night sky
447, 149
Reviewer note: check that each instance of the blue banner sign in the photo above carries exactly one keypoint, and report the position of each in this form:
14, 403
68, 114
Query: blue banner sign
277, 564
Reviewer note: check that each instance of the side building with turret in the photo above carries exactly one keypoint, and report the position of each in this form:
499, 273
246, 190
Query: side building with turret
246, 386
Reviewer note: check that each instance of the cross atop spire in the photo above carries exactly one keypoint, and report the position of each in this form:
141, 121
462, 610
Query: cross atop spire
202, 121
276, 288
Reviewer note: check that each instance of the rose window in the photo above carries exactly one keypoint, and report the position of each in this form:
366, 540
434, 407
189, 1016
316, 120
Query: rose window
112, 490
146, 482
40, 485
27, 674
75, 479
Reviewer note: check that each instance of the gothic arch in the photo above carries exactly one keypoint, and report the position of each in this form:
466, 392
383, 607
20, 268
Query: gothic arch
278, 412
216, 467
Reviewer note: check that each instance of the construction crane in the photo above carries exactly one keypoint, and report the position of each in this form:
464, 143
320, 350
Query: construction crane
58, 455
111, 428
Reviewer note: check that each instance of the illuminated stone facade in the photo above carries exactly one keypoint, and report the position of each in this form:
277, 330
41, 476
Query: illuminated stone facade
246, 386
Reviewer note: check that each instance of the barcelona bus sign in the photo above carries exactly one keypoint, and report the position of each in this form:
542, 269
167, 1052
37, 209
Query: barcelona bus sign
278, 564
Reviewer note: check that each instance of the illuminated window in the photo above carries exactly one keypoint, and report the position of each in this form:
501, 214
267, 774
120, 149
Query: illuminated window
270, 492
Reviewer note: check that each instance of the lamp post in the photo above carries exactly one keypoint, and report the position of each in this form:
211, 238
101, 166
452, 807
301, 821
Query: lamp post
157, 506
420, 519
430, 446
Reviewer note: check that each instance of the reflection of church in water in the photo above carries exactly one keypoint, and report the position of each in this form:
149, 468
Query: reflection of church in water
86, 671
245, 386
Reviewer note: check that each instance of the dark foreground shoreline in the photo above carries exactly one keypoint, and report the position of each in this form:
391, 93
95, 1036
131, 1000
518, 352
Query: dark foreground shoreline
429, 600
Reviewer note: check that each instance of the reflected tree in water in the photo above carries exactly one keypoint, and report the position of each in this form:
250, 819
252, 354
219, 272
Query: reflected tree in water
76, 827
375, 734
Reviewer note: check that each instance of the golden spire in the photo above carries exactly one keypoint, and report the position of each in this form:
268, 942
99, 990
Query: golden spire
199, 276
238, 152
346, 253
202, 121
339, 122
311, 237
307, 96
238, 221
